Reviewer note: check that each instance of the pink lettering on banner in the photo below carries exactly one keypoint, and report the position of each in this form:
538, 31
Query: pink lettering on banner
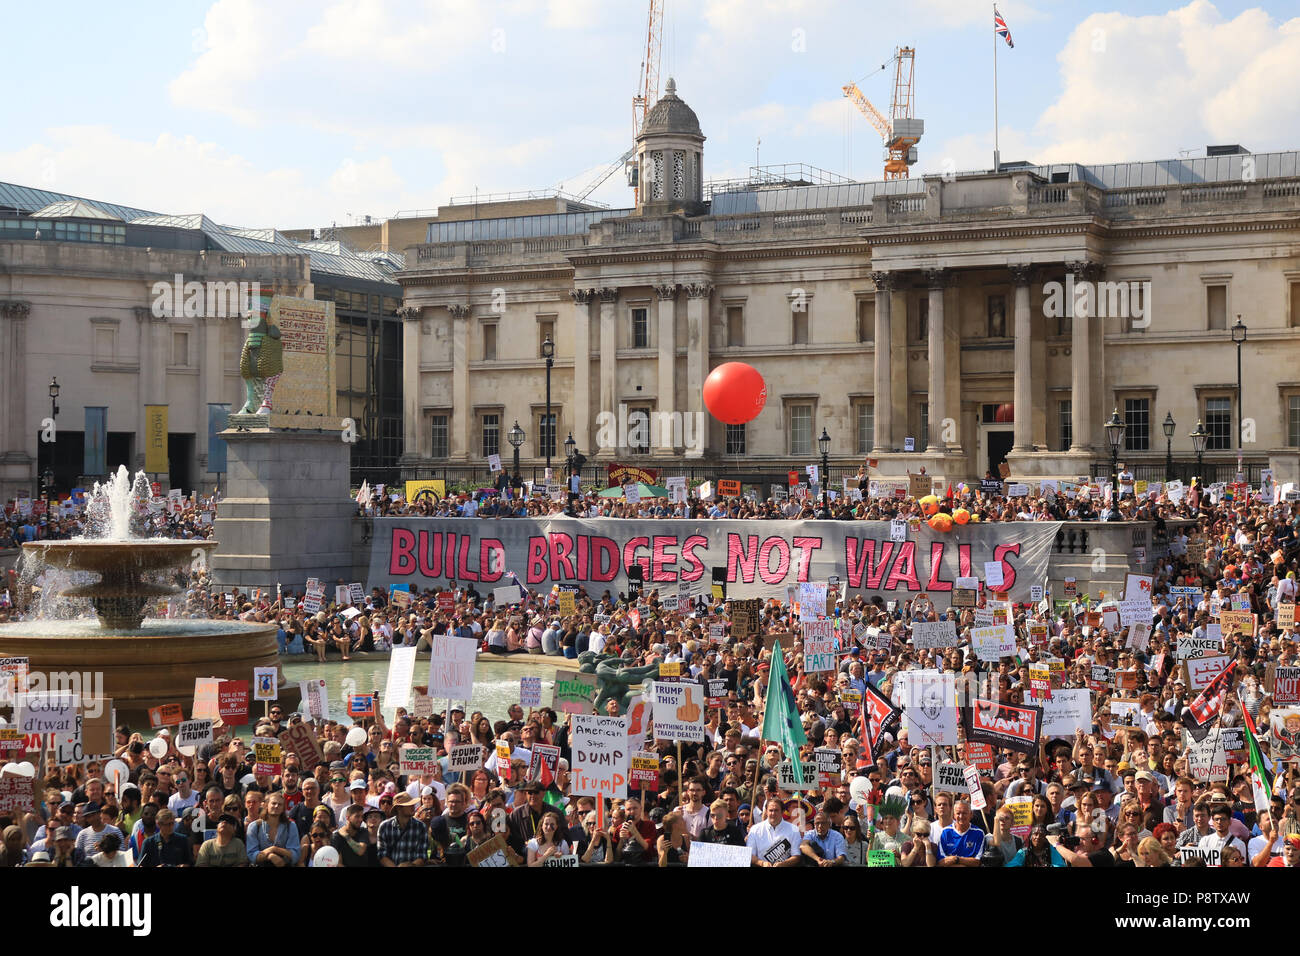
449, 554
401, 559
630, 556
537, 570
561, 562
866, 563
963, 560
604, 559
806, 546
741, 559
696, 570
430, 554
1008, 571
904, 568
486, 562
465, 574
936, 568
663, 560
765, 570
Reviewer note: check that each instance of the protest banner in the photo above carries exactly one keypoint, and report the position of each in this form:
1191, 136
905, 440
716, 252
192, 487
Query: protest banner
785, 775
544, 763
573, 692
1286, 686
715, 855
1125, 680
16, 794
600, 755
879, 858
1040, 683
1021, 815
678, 712
530, 691
414, 761
670, 671
1067, 711
13, 677
1194, 647
266, 756
494, 853
1286, 615
716, 692
401, 674
993, 642
643, 773
165, 715
232, 701
315, 698
929, 635
567, 607
1230, 621
1124, 712
1200, 672
977, 801
1207, 759
951, 777
47, 713
451, 667
301, 740
1013, 726
830, 766
979, 754
12, 741
465, 758
928, 700
266, 681
819, 653
568, 861
546, 551
1099, 678
192, 734
361, 705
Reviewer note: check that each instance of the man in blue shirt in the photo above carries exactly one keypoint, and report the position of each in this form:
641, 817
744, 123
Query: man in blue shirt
822, 845
960, 844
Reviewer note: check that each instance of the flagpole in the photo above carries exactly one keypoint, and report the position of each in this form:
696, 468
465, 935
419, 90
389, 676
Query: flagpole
997, 163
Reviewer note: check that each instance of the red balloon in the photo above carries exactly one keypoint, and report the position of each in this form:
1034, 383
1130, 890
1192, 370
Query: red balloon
735, 393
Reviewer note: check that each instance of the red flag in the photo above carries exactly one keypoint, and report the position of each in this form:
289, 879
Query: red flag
545, 774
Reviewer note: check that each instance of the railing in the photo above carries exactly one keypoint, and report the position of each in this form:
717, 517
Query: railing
479, 250
1224, 193
746, 224
860, 217
1279, 190
691, 229
636, 227
1136, 197
233, 262
554, 245
907, 204
1048, 195
1184, 471
438, 252
804, 221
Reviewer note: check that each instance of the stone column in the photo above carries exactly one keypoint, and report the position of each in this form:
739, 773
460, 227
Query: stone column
13, 375
582, 367
1080, 363
697, 359
1024, 389
667, 388
412, 419
883, 438
462, 412
936, 279
608, 355
144, 380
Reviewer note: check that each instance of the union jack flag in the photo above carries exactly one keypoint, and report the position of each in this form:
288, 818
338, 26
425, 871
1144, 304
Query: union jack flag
1000, 27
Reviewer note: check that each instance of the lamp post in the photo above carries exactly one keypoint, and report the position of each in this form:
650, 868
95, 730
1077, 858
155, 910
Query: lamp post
824, 446
1169, 427
516, 438
570, 452
1199, 439
1239, 336
54, 413
1114, 437
548, 438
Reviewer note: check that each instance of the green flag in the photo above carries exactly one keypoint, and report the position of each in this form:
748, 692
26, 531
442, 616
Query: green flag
781, 723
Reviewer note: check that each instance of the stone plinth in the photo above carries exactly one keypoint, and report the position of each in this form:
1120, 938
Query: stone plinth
287, 514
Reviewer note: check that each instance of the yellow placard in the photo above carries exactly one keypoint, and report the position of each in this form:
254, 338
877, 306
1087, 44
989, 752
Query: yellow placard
155, 439
670, 670
420, 489
567, 602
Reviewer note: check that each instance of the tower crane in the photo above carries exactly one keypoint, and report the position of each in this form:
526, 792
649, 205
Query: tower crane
901, 131
647, 93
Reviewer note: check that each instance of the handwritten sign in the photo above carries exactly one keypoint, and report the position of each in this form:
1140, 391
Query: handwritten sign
451, 667
716, 855
415, 761
49, 713
573, 692
678, 711
530, 691
600, 755
301, 740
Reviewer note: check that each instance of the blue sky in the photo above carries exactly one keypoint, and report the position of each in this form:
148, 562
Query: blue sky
296, 113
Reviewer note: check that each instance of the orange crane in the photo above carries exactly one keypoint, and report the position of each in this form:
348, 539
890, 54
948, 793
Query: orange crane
901, 131
647, 93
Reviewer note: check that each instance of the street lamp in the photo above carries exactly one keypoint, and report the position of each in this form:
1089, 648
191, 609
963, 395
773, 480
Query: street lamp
1239, 336
548, 437
516, 438
1169, 427
1114, 437
54, 397
1199, 439
570, 453
824, 446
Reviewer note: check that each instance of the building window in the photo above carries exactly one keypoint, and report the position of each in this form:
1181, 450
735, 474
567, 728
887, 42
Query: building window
545, 330
1218, 422
1065, 421
1137, 424
638, 431
801, 429
546, 435
924, 440
736, 440
735, 325
922, 318
640, 328
180, 349
105, 343
491, 435
997, 315
866, 320
1216, 307
1293, 421
866, 422
438, 429
679, 174
1295, 305
489, 343
799, 327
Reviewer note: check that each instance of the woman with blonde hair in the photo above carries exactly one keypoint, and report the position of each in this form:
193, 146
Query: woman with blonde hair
1151, 852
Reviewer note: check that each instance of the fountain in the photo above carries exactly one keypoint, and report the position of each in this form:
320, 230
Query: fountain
146, 662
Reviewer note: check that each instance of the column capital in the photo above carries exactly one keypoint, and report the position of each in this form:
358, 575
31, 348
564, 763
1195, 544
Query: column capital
582, 296
1022, 273
1085, 270
937, 278
608, 295
409, 313
666, 293
458, 310
885, 281
698, 290
15, 309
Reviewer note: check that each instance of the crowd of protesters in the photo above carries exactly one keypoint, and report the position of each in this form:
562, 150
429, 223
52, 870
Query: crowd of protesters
1120, 793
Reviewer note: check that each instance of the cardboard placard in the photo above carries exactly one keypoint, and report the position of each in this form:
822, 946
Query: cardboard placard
301, 740
166, 715
232, 701
416, 761
465, 757
573, 693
